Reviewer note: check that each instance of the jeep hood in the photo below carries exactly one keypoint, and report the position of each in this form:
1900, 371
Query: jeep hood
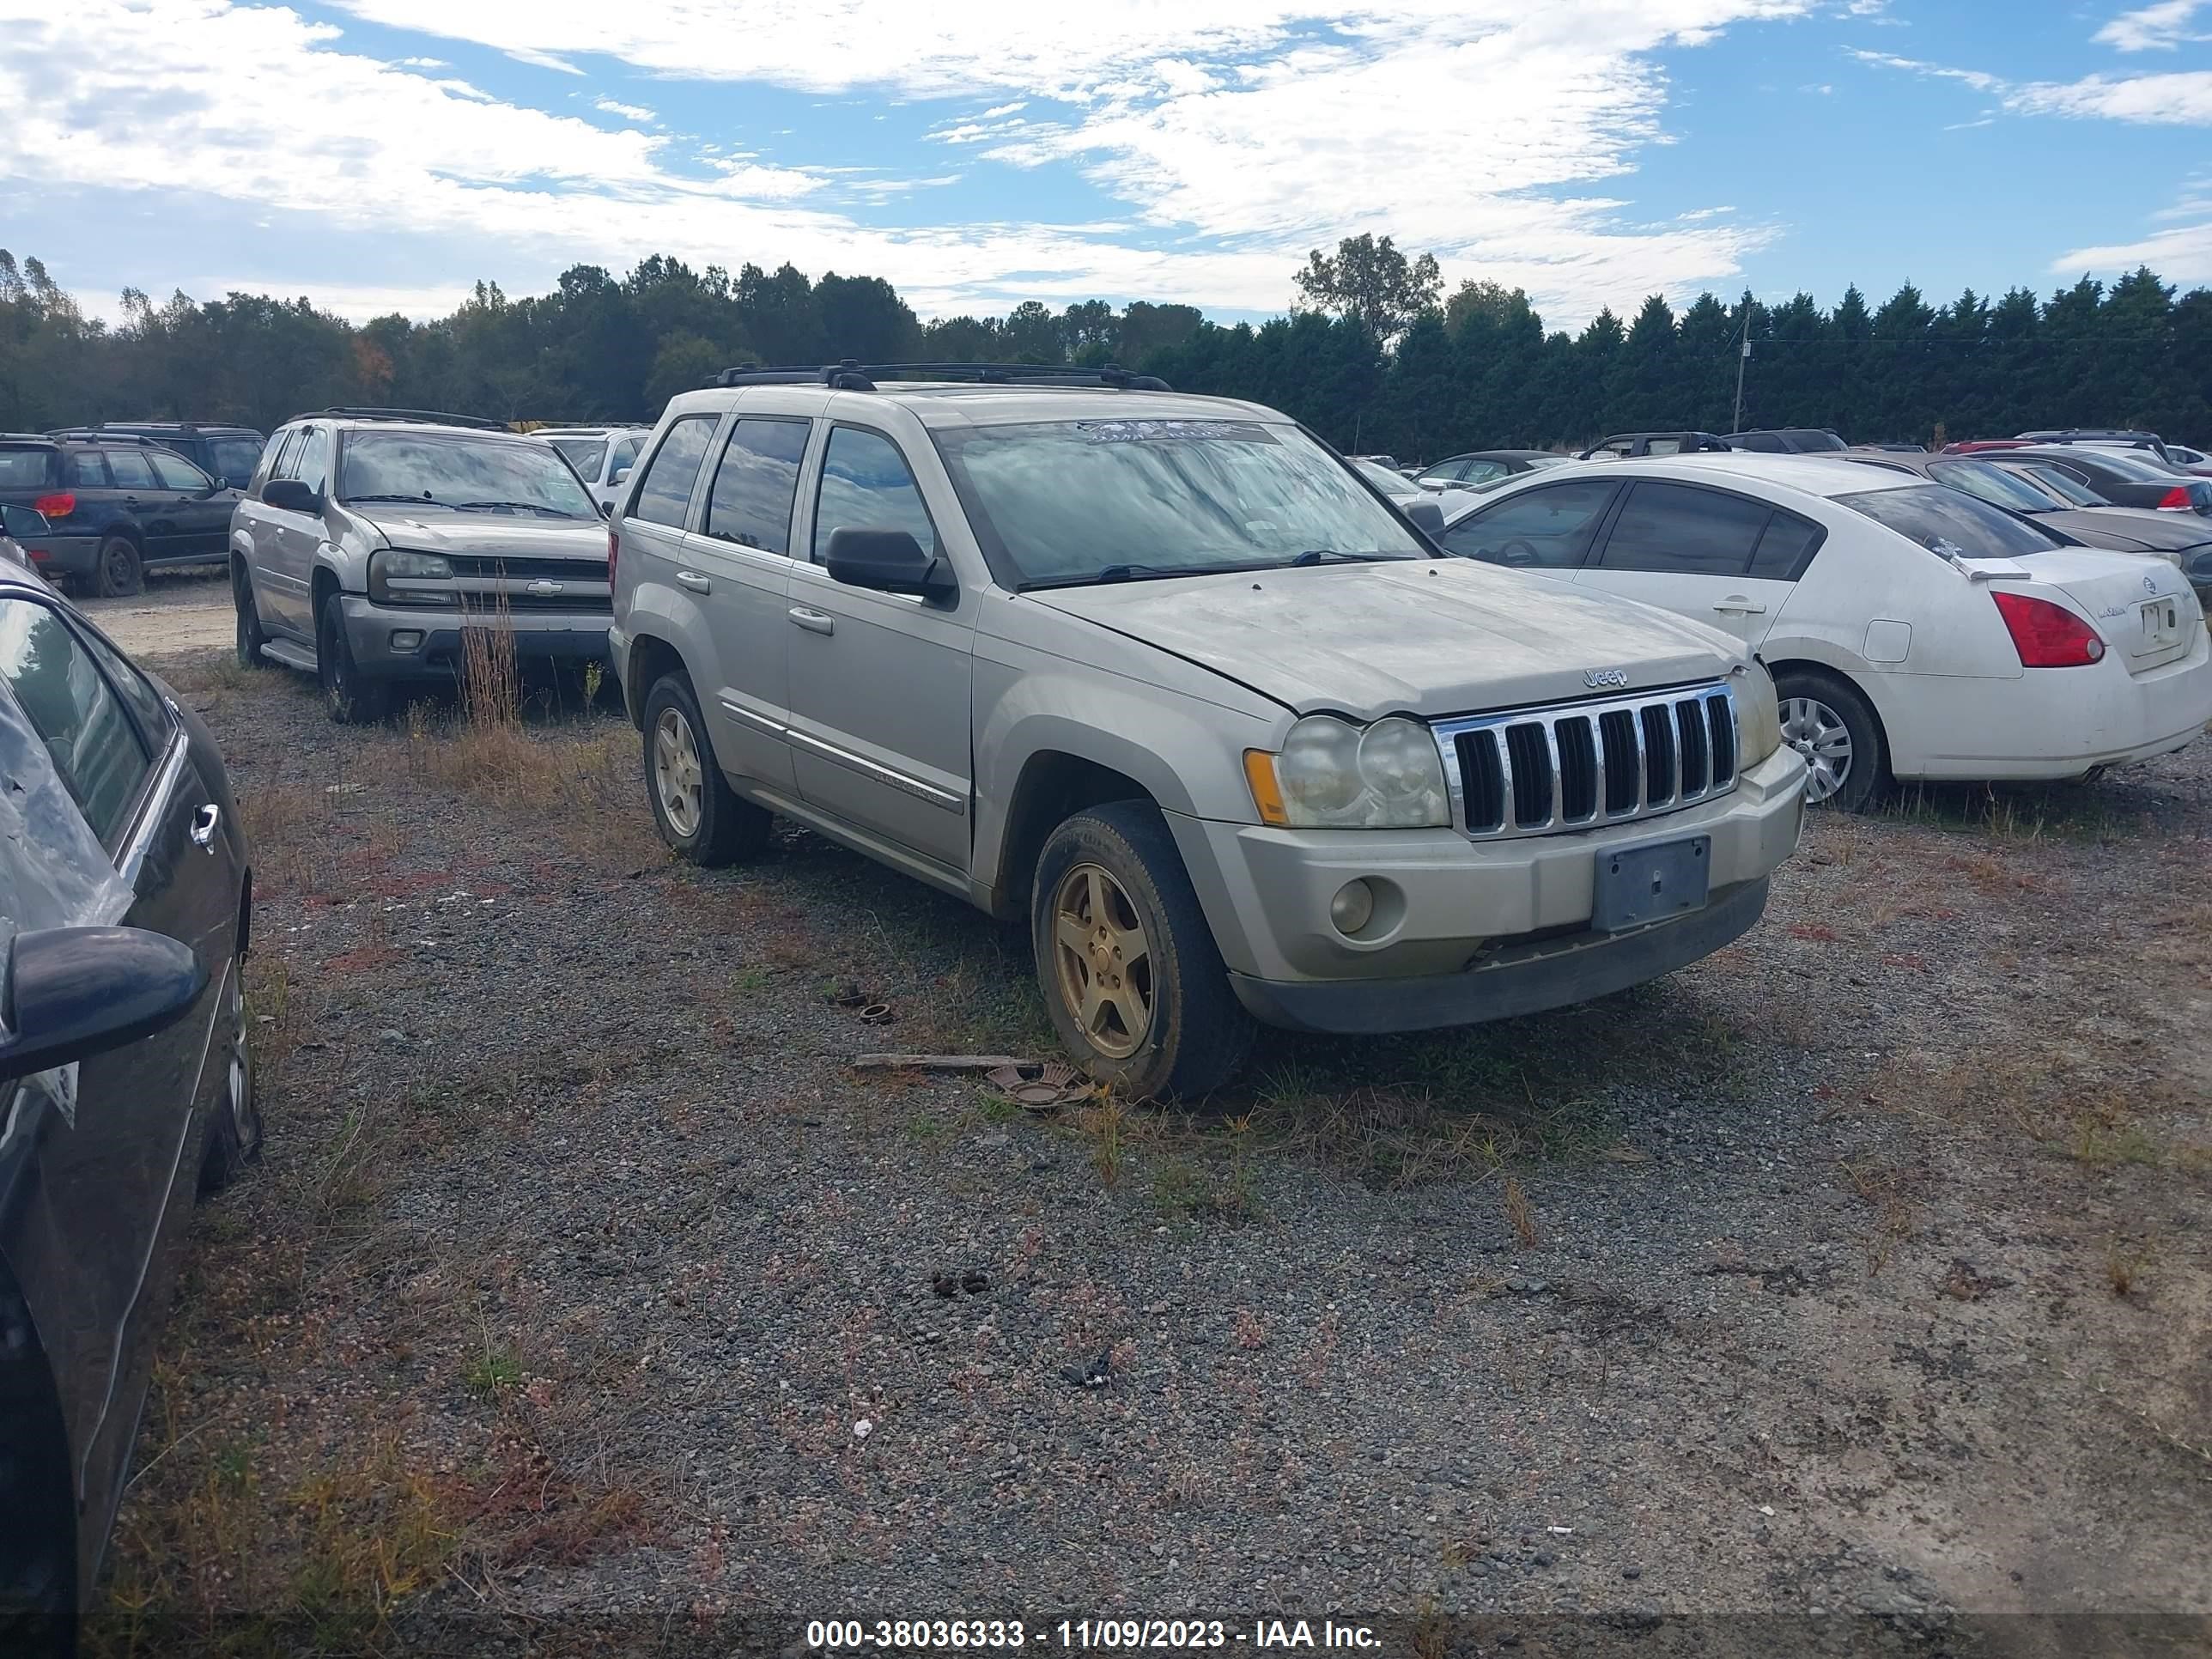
1424, 636
486, 535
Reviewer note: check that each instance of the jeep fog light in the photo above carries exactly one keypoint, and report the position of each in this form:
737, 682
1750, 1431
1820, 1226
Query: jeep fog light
1352, 908
406, 639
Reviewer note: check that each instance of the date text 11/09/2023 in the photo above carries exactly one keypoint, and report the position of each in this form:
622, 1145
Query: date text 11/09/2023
1086, 1635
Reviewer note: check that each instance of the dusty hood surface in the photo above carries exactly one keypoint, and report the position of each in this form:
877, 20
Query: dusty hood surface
1425, 636
487, 535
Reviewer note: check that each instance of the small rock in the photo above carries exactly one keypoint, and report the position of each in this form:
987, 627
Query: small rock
391, 1038
1631, 1573
863, 1428
1544, 1558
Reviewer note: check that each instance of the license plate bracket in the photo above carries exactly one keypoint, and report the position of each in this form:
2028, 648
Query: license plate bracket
1635, 886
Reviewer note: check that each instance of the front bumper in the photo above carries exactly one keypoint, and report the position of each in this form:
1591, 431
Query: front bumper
382, 650
1481, 930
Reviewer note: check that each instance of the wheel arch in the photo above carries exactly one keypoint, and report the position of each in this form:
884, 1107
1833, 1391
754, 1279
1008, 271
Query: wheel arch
651, 655
39, 1547
1053, 785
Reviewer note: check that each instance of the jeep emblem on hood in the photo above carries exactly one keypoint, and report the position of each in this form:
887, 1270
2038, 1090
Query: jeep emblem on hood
1598, 678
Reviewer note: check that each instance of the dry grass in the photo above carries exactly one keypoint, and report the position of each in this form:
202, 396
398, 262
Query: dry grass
1520, 1214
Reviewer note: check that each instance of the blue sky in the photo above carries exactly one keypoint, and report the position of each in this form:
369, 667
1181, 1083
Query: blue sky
383, 154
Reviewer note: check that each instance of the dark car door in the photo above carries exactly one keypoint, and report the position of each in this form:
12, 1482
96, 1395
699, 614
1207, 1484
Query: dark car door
111, 791
200, 512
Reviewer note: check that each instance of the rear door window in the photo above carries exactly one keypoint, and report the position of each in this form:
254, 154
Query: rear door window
84, 469
131, 470
665, 496
755, 482
1548, 528
1786, 548
1686, 531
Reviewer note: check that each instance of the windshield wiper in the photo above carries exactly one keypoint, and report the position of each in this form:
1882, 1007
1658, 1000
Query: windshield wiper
515, 507
1331, 556
412, 500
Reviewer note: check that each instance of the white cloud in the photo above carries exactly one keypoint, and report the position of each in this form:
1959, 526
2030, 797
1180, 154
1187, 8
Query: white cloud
423, 63
2182, 254
1236, 134
2153, 28
2181, 99
628, 112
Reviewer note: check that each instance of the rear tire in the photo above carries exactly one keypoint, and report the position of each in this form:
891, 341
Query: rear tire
351, 699
702, 820
1132, 977
119, 572
251, 636
1825, 717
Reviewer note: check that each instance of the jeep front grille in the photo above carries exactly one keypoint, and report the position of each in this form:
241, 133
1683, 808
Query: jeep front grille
1539, 771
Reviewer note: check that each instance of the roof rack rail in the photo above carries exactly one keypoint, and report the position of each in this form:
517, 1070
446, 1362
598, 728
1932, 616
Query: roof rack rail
850, 376
103, 435
424, 416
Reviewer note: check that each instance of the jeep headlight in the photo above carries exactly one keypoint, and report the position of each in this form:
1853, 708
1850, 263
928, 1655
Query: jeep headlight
1757, 716
1332, 775
406, 567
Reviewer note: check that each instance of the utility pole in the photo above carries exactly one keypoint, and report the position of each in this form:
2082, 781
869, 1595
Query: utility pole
1742, 357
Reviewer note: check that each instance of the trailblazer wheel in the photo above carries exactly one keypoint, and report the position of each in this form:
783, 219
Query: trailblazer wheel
352, 699
1832, 725
1132, 977
698, 813
119, 571
250, 635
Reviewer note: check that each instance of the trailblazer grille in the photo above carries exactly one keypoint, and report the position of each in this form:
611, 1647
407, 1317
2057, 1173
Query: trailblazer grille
1540, 771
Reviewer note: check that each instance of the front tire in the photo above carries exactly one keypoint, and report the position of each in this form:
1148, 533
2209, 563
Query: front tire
1826, 719
251, 636
702, 819
352, 699
120, 572
234, 1137
1132, 978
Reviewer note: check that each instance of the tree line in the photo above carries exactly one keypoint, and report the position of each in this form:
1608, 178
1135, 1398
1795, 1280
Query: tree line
1375, 356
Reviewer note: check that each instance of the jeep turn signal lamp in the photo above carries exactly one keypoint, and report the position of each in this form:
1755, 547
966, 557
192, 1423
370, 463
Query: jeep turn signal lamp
2047, 635
1266, 794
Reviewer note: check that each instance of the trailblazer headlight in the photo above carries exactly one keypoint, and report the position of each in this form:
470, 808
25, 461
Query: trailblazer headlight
1757, 715
1332, 775
394, 572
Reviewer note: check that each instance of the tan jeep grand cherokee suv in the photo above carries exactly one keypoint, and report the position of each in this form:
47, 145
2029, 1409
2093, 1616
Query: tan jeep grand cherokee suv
1166, 675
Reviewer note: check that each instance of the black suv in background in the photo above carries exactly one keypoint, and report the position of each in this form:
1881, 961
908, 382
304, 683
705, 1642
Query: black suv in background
1788, 440
227, 452
117, 505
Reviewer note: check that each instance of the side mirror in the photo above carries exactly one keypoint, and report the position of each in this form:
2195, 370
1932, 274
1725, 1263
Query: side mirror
1428, 518
621, 475
75, 992
216, 487
888, 560
606, 509
290, 495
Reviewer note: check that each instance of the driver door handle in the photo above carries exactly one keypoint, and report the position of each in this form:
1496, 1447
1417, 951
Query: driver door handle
814, 621
1736, 605
203, 827
694, 581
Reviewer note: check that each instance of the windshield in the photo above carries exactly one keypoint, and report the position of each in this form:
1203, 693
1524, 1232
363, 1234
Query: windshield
1396, 485
1809, 442
1952, 524
2065, 485
1991, 484
460, 471
1074, 501
584, 453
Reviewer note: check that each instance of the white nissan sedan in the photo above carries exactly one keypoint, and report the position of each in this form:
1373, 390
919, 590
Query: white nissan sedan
1913, 630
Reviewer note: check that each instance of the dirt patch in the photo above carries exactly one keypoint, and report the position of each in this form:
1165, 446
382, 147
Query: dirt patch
588, 1301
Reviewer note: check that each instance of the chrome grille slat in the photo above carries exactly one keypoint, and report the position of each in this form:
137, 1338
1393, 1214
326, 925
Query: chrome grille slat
1512, 773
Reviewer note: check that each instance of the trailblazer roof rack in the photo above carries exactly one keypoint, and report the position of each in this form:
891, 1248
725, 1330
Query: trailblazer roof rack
851, 376
422, 417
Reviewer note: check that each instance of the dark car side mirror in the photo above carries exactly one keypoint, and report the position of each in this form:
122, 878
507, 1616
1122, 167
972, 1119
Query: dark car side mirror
75, 992
216, 487
606, 509
1428, 518
888, 560
290, 495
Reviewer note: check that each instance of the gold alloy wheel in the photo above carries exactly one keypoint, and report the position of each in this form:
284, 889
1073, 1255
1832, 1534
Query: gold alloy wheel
1104, 961
676, 774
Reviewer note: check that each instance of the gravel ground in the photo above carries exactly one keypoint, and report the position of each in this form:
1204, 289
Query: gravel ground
1855, 1280
186, 610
